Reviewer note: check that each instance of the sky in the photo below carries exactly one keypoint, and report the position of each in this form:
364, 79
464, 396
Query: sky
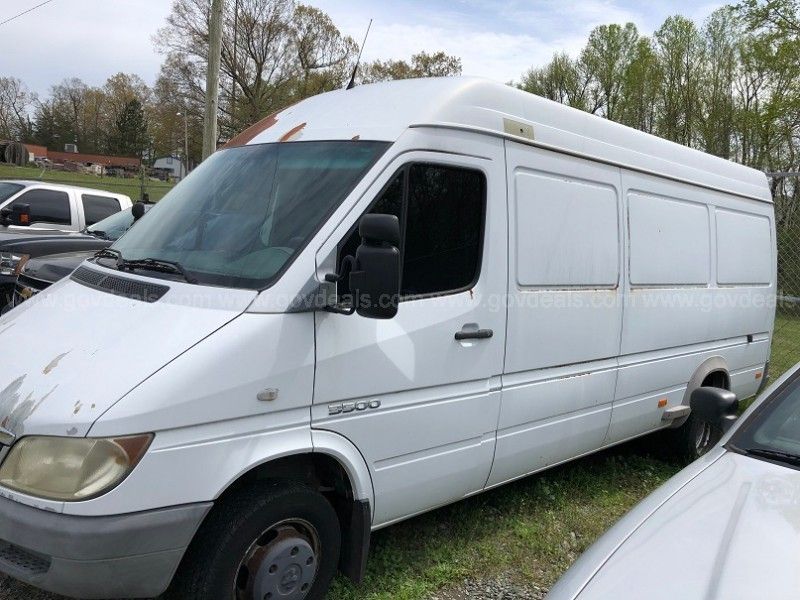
499, 39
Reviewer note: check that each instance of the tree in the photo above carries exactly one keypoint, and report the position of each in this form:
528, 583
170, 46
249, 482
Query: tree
423, 64
680, 51
15, 100
562, 80
641, 88
607, 57
274, 52
721, 36
130, 133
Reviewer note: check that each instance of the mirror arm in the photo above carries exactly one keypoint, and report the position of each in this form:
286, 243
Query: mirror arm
347, 265
348, 262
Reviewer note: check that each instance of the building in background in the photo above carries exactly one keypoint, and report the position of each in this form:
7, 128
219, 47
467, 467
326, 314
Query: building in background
171, 167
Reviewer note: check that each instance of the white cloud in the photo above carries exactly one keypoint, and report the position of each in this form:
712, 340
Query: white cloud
93, 39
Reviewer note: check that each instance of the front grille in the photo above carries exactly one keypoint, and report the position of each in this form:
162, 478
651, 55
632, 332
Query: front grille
23, 560
120, 286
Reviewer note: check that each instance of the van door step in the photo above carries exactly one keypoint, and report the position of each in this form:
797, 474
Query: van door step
676, 412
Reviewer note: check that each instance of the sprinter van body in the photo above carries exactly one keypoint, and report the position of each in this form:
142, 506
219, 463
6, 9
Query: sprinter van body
371, 304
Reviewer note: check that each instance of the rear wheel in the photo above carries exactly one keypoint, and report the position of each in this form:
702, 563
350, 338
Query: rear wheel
273, 541
694, 438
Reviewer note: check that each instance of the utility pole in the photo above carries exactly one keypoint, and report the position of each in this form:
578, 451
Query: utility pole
212, 78
185, 115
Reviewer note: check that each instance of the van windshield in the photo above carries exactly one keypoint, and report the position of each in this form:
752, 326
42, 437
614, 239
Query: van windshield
244, 213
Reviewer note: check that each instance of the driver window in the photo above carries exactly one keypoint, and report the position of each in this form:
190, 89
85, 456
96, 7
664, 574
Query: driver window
441, 212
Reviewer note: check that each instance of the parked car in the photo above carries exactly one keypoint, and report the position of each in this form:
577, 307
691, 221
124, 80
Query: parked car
374, 303
728, 523
19, 245
37, 274
54, 206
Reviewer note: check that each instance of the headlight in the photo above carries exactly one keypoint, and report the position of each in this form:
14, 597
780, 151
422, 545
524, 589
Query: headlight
11, 264
70, 469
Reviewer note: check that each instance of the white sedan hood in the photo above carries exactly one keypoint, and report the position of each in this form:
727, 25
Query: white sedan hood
72, 352
731, 533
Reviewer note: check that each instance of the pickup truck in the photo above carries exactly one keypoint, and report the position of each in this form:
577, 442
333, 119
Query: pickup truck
57, 257
52, 206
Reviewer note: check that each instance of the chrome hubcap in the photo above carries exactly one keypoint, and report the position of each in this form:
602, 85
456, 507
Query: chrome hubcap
281, 564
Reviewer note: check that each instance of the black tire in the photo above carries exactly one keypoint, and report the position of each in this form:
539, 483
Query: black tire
692, 440
213, 563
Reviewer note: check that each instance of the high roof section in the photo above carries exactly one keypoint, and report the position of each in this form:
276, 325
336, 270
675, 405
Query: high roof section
383, 111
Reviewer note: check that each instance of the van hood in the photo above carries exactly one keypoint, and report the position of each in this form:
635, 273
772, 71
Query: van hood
733, 532
71, 352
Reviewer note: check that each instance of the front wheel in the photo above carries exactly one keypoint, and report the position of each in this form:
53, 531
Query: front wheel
274, 541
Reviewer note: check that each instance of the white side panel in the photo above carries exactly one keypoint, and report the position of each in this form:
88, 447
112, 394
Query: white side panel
566, 231
564, 323
742, 241
676, 316
660, 315
669, 241
564, 313
550, 416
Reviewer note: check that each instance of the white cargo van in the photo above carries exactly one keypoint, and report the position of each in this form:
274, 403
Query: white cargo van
374, 303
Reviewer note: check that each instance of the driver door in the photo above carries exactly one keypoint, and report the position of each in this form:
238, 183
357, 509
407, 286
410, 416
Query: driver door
421, 405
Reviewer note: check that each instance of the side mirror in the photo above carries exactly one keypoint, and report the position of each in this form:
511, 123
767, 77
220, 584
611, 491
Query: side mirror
375, 278
715, 406
18, 214
137, 210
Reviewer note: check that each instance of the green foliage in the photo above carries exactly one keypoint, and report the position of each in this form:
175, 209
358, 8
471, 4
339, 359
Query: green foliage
130, 135
730, 88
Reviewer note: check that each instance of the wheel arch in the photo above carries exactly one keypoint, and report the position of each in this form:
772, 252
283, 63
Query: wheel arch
335, 468
709, 368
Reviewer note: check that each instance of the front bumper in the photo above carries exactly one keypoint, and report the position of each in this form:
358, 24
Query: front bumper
122, 556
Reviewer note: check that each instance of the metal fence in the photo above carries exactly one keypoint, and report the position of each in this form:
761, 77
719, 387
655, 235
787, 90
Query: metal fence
786, 342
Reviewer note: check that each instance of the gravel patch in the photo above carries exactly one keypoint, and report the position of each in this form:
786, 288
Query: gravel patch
499, 588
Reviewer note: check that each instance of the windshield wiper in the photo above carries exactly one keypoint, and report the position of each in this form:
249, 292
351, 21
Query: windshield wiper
152, 264
157, 264
784, 457
96, 233
110, 253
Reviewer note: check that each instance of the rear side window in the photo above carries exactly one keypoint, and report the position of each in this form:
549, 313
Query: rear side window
47, 206
97, 208
441, 211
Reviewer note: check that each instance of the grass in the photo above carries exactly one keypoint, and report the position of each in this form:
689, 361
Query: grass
129, 187
785, 342
534, 528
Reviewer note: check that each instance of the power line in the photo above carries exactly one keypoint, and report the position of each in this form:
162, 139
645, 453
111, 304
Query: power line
25, 12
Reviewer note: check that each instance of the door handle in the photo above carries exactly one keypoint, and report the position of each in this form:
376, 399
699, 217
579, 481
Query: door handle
475, 334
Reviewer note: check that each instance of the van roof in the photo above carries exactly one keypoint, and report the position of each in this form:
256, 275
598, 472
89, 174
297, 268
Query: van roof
383, 111
64, 187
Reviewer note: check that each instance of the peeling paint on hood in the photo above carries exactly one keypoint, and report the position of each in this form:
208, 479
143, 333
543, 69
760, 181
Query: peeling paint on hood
72, 352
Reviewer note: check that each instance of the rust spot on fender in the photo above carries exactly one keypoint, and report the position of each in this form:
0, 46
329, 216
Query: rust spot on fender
292, 133
54, 363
